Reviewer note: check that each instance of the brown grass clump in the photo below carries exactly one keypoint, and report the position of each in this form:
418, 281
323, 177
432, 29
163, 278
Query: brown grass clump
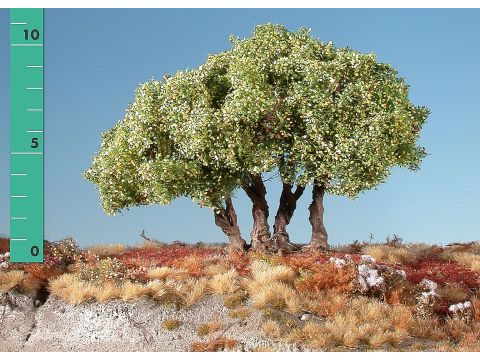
218, 344
171, 324
11, 279
277, 295
107, 249
224, 283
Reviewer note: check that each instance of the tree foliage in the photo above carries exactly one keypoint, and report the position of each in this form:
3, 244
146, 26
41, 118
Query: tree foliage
277, 101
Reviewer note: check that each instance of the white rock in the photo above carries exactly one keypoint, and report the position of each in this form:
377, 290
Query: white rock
306, 317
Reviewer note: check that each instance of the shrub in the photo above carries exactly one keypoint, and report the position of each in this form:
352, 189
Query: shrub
61, 253
103, 271
328, 276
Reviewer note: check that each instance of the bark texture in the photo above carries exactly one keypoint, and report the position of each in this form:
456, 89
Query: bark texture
260, 235
286, 208
226, 219
319, 238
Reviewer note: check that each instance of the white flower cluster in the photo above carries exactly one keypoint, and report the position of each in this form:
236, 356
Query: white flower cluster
4, 260
369, 278
460, 307
337, 262
431, 286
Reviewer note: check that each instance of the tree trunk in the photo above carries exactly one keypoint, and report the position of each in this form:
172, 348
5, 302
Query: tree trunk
286, 208
319, 234
260, 235
226, 219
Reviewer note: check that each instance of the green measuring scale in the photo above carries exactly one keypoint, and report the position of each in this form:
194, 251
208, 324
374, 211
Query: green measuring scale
26, 135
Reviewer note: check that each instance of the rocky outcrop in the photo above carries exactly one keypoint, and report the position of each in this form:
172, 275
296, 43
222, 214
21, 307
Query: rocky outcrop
121, 326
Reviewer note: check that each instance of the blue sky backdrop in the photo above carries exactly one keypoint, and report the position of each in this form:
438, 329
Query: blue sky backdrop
94, 60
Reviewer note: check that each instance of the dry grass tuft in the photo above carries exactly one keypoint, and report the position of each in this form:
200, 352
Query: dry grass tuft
467, 259
325, 303
131, 291
165, 272
107, 249
272, 329
240, 313
148, 244
427, 328
224, 283
364, 321
69, 288
195, 290
453, 293
106, 292
171, 324
234, 300
277, 295
209, 328
263, 273
218, 344
397, 254
166, 292
11, 279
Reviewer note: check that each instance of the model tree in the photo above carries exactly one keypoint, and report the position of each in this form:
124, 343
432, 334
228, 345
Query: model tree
280, 102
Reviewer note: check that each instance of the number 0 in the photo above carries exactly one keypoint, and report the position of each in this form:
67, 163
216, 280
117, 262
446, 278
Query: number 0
34, 250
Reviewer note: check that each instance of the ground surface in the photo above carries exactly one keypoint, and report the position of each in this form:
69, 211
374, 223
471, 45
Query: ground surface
157, 297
